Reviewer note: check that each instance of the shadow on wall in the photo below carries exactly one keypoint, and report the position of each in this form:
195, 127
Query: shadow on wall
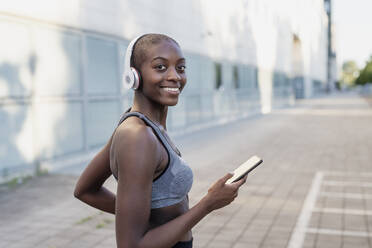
14, 135
44, 102
36, 95
58, 85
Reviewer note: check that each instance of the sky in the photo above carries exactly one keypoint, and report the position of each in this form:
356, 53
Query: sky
353, 30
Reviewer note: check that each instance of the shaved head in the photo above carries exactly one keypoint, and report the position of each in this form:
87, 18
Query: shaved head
142, 45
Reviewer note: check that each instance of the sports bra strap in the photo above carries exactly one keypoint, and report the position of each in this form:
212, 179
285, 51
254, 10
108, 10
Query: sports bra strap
150, 123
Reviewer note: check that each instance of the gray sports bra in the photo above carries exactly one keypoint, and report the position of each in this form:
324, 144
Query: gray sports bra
173, 184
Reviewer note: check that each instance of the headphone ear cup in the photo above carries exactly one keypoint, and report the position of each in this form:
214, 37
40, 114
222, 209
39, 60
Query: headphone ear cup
136, 78
128, 79
131, 76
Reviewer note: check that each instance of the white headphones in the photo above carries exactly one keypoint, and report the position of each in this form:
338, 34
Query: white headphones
131, 77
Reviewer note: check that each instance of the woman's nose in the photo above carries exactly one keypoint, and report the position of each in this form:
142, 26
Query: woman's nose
173, 74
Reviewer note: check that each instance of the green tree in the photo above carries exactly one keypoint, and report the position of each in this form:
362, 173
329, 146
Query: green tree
365, 75
350, 72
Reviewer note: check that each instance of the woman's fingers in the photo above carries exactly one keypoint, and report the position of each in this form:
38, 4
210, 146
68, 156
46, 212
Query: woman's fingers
239, 183
225, 178
222, 194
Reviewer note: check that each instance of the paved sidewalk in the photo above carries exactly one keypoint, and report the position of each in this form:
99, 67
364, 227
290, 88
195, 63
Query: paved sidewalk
313, 190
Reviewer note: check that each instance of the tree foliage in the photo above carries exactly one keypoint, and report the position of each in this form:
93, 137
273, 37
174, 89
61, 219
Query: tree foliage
365, 75
350, 72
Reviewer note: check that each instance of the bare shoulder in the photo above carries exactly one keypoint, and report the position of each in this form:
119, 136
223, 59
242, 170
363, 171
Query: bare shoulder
135, 145
133, 131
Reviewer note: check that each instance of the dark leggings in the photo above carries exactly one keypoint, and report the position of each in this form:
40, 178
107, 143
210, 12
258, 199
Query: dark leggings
183, 244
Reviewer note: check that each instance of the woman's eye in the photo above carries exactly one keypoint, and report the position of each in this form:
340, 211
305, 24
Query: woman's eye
182, 68
160, 67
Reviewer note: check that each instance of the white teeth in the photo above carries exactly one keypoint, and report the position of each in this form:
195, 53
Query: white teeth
172, 89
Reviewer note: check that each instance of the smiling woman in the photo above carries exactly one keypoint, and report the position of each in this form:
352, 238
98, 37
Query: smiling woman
162, 66
151, 204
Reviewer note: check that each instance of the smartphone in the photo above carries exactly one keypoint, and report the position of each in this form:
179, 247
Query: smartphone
244, 169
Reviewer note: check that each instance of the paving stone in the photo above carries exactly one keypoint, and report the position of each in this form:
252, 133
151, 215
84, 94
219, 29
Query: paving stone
329, 241
360, 242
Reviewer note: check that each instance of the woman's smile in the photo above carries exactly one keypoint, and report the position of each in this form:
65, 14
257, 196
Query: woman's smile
173, 90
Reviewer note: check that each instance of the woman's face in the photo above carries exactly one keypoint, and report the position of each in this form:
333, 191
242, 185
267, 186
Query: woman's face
163, 73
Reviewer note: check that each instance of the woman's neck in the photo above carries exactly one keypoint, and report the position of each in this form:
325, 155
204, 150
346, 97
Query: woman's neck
155, 112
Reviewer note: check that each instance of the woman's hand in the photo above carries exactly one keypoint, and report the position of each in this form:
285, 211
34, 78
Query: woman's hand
221, 194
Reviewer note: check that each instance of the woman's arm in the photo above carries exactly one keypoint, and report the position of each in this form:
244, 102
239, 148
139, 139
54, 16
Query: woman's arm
219, 195
89, 187
137, 154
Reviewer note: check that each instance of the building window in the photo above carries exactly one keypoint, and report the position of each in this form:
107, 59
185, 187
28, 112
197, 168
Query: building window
218, 73
255, 77
102, 66
236, 77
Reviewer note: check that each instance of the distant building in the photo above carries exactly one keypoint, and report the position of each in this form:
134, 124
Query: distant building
61, 64
331, 53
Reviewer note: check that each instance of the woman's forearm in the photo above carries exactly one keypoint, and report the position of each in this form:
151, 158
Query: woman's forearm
102, 199
170, 233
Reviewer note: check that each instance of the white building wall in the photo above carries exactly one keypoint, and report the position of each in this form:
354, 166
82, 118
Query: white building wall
249, 31
61, 65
